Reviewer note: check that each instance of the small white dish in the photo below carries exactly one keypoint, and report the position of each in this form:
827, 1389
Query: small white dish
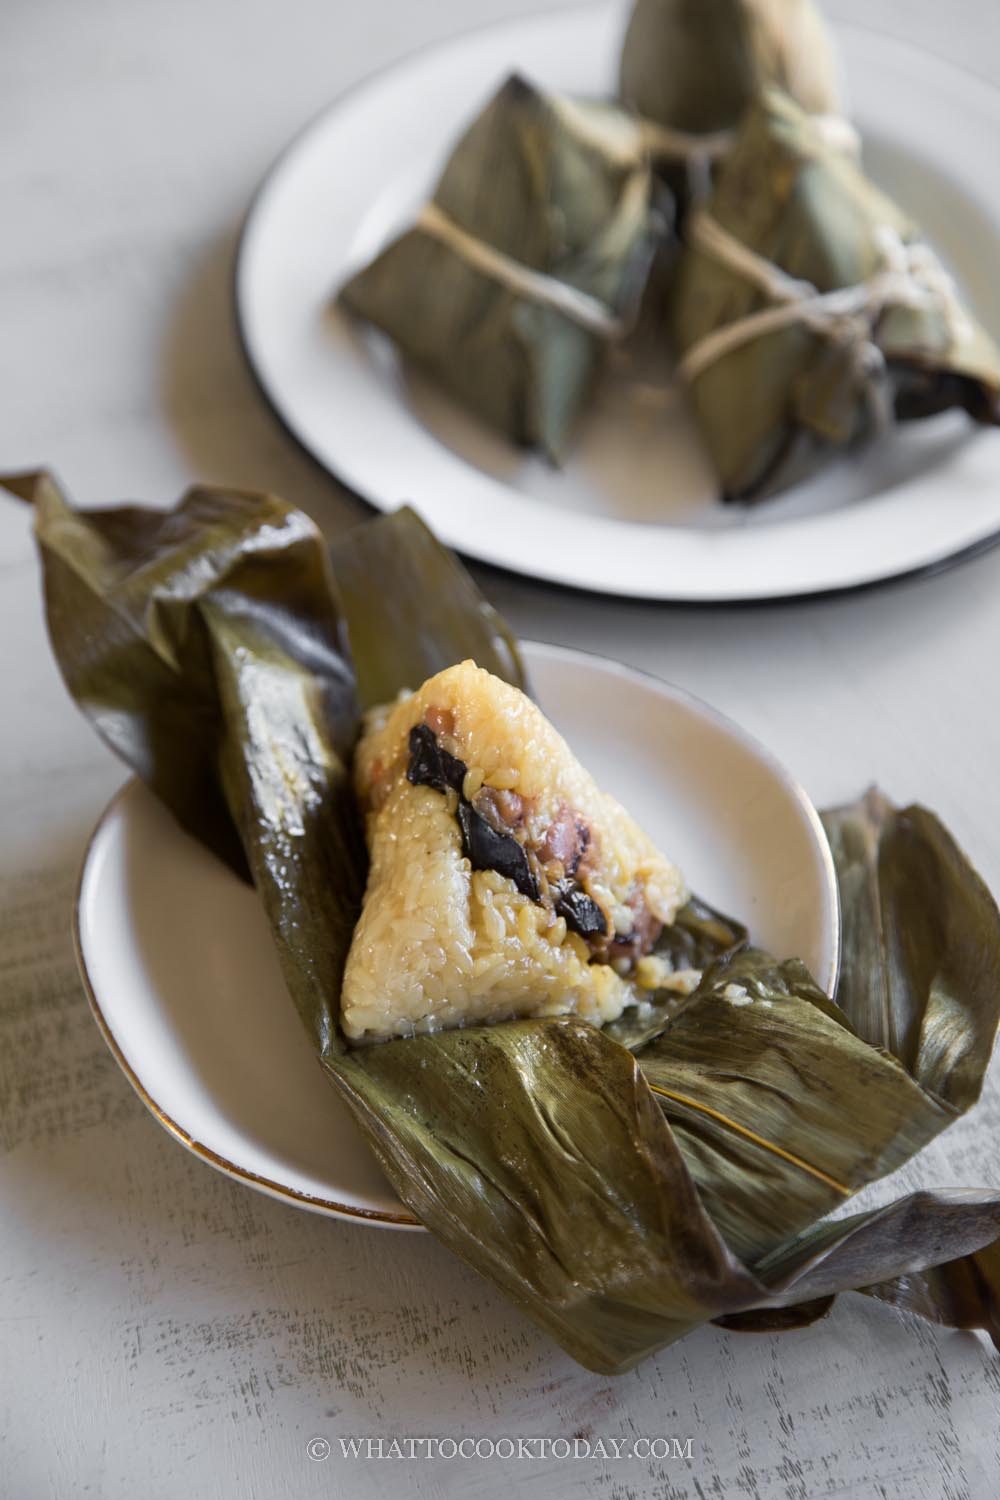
184, 981
634, 511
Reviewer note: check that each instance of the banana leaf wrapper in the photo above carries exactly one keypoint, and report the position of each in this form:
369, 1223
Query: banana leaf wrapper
560, 188
775, 407
622, 1191
697, 65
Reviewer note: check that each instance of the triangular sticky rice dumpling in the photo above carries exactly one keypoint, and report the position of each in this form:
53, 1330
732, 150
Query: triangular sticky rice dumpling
503, 882
698, 65
529, 260
876, 327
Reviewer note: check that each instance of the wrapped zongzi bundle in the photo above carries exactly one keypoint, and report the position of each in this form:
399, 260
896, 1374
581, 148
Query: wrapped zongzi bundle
531, 256
503, 882
694, 67
808, 311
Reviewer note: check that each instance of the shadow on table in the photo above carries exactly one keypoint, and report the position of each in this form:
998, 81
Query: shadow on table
218, 415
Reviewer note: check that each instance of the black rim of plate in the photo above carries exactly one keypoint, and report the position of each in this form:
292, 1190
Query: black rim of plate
931, 569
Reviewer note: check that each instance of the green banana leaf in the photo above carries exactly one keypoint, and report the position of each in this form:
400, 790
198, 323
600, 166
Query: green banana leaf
376, 566
562, 1165
123, 591
774, 407
962, 1293
697, 65
921, 990
779, 1055
902, 1243
563, 189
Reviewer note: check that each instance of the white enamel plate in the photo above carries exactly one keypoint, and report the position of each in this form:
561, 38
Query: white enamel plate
634, 511
184, 981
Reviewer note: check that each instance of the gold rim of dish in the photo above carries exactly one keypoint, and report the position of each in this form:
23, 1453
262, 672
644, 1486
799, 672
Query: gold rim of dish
197, 1148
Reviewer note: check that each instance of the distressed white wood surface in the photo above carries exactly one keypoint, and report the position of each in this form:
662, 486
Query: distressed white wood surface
163, 1331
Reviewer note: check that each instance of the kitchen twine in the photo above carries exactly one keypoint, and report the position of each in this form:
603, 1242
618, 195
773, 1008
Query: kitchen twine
910, 274
660, 142
657, 141
580, 307
697, 152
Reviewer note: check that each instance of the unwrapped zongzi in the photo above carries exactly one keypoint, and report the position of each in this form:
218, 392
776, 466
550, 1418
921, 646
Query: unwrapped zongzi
207, 646
532, 255
503, 882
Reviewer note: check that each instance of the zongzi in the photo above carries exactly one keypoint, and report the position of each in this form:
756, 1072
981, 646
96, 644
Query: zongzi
808, 310
620, 1198
503, 882
531, 256
695, 66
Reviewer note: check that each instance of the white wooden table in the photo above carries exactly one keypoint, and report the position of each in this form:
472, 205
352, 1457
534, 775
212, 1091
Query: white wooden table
163, 1331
